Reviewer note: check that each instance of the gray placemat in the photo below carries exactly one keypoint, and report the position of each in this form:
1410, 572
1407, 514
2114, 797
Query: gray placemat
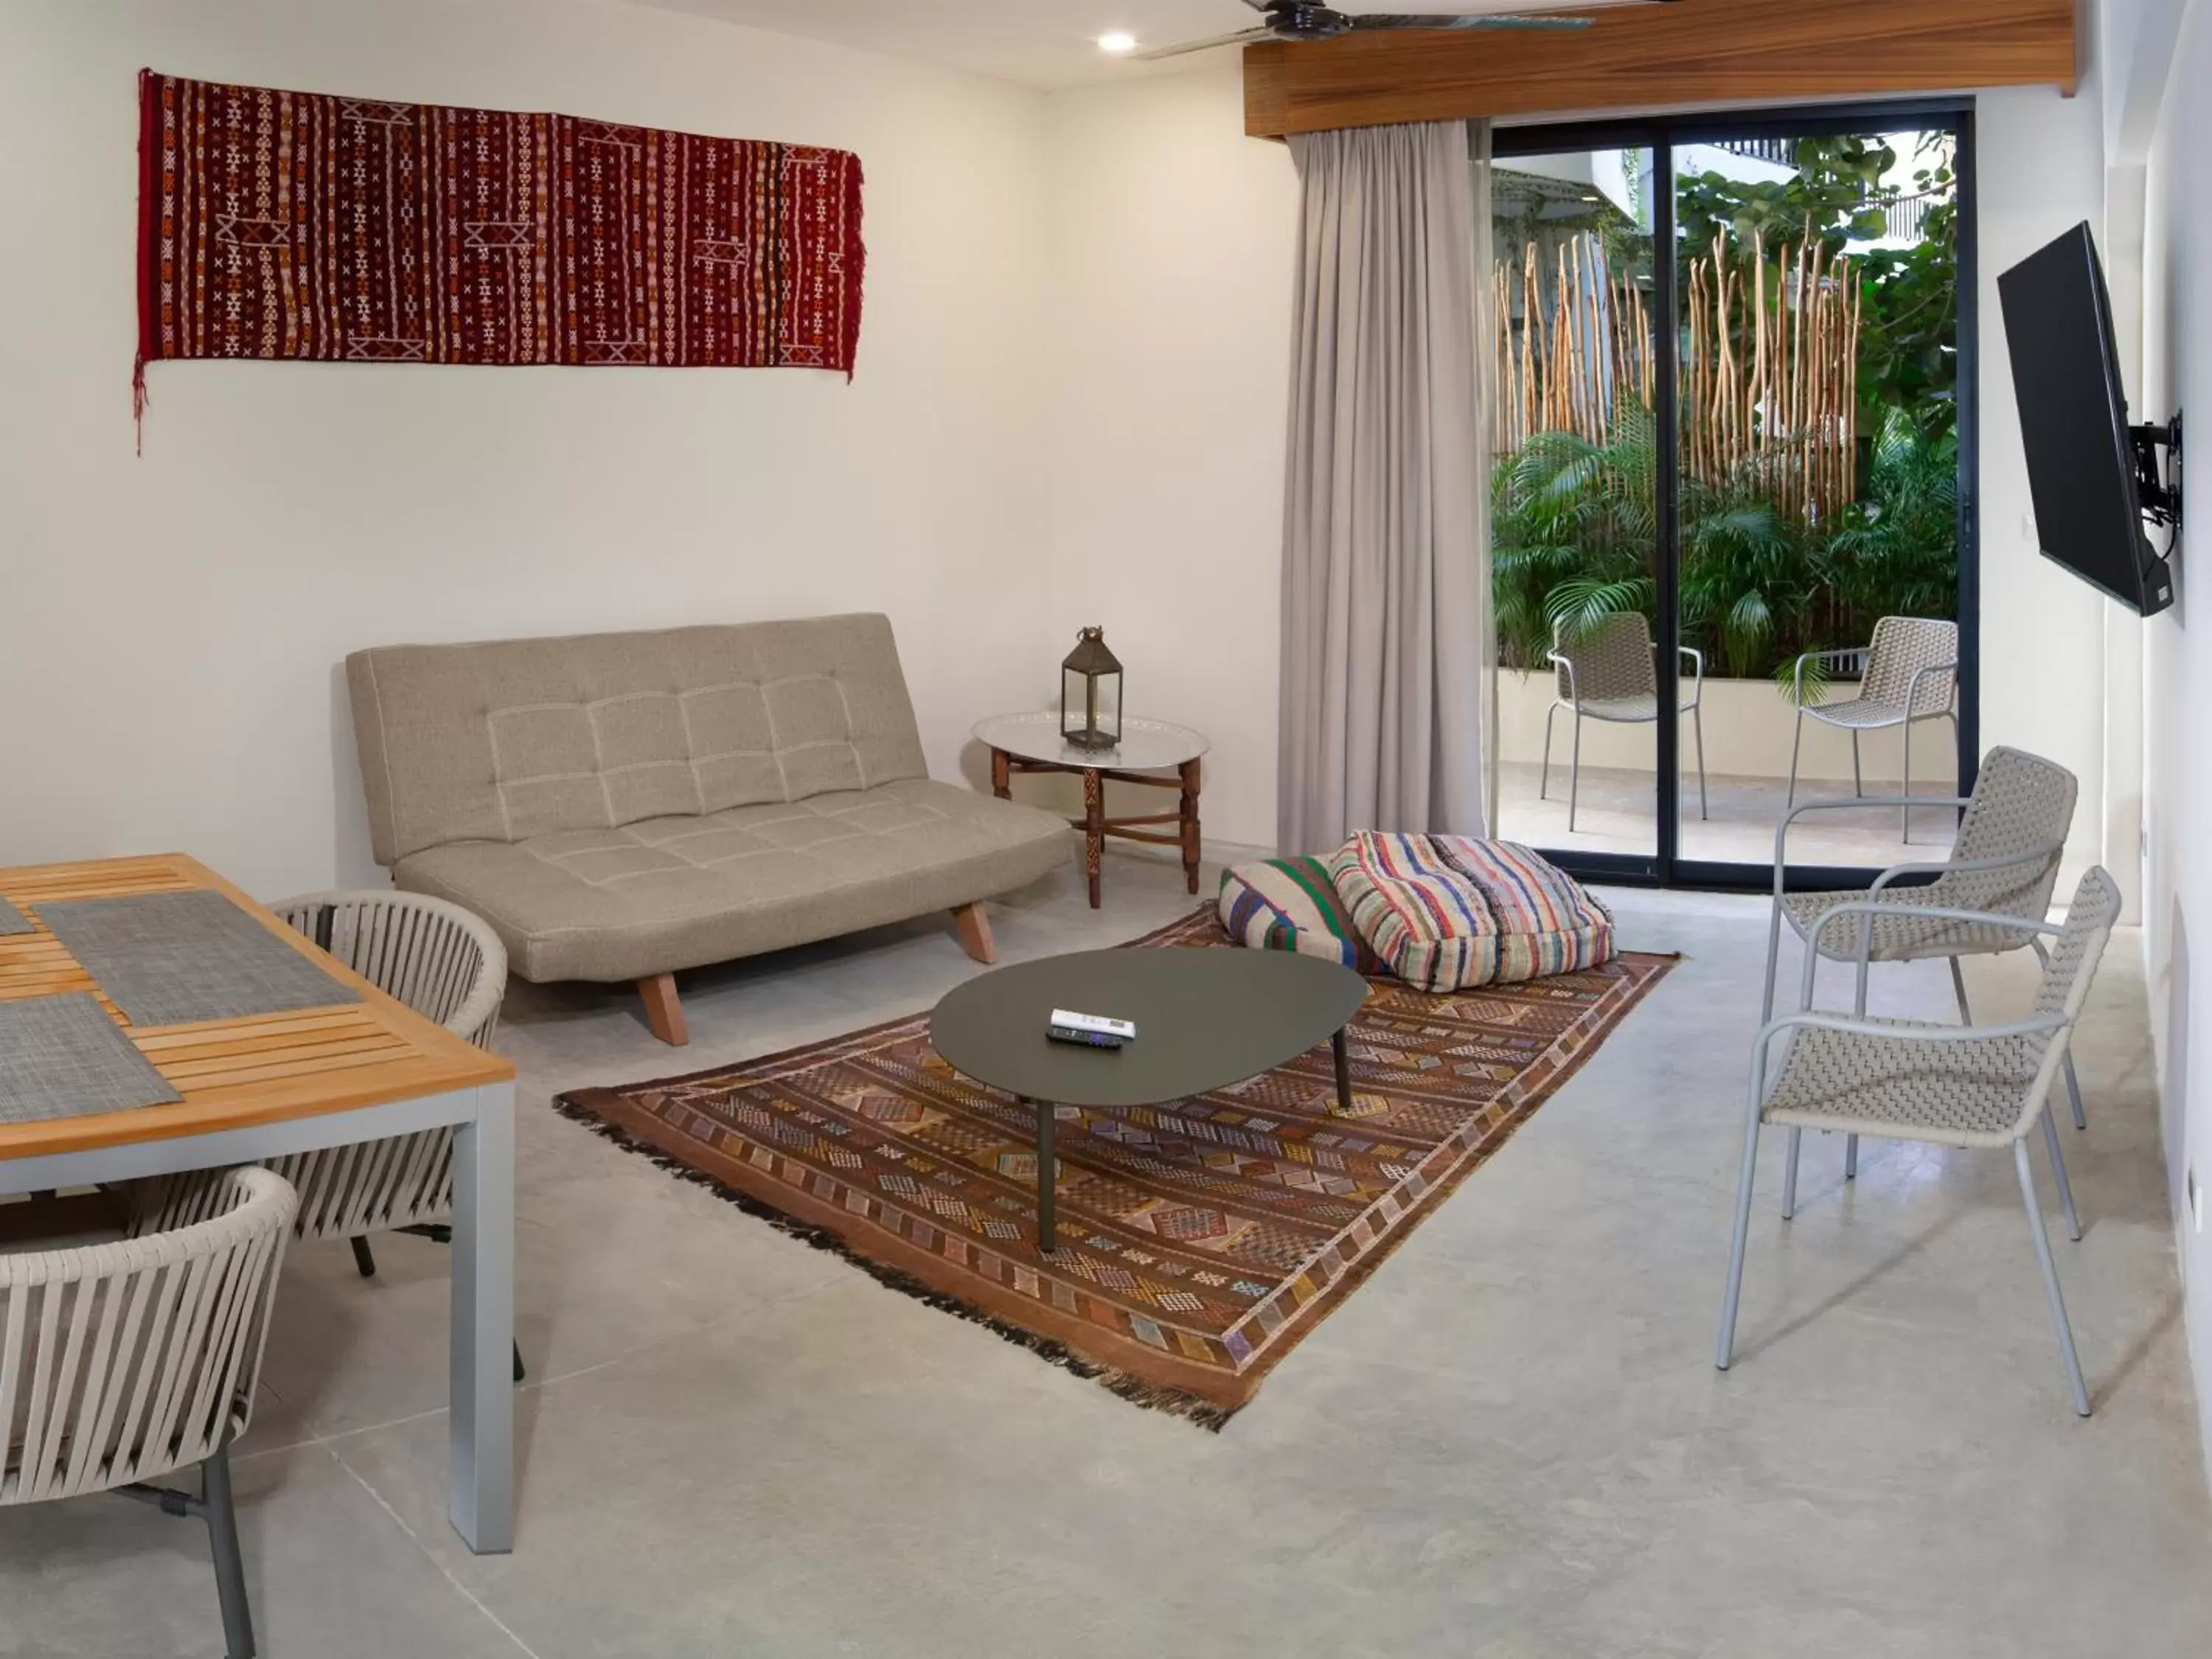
63, 1057
171, 958
13, 921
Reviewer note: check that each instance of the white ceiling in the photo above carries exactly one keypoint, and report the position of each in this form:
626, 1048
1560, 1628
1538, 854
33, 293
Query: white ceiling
1038, 43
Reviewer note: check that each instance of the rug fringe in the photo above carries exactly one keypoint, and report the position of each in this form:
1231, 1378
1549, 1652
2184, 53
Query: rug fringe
1137, 1390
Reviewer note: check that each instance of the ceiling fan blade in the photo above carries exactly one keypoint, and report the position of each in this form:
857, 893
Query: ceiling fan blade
1239, 39
1522, 21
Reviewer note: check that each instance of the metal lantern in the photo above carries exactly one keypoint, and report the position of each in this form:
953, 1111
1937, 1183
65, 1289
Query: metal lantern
1090, 694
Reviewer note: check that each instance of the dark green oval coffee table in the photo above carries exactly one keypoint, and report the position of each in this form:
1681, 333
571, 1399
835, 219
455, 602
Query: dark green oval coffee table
1206, 1017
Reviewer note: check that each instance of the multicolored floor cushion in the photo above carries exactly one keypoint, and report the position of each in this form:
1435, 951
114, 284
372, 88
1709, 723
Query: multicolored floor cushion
1448, 912
1291, 904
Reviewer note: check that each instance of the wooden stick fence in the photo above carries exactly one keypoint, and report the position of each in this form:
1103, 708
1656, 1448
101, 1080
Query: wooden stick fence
1770, 366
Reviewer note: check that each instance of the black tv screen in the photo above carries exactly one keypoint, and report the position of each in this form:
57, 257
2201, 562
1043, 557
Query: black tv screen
2074, 417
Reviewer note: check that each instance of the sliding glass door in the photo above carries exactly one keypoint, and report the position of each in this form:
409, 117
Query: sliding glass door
1575, 480
1732, 515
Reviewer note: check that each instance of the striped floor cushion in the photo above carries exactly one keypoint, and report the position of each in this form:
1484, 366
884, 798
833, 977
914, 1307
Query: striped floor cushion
1446, 912
1289, 904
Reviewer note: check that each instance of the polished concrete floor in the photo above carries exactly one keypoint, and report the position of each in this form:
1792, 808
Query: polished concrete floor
1510, 1441
1617, 813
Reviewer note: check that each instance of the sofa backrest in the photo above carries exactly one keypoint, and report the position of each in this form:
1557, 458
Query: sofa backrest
511, 738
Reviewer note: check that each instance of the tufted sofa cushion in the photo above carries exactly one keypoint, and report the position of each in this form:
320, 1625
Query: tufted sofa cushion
515, 739
665, 894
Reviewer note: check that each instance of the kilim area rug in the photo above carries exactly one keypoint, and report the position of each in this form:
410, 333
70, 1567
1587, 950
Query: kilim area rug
1199, 1241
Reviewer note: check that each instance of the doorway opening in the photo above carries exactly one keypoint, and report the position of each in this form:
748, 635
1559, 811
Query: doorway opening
1732, 488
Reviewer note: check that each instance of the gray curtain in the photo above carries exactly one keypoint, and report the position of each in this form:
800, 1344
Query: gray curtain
1385, 538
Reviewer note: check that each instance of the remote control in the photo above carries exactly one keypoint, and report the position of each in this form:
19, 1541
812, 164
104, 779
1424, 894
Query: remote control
1092, 1030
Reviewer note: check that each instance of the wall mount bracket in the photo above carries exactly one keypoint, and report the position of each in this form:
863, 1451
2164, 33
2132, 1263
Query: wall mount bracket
2158, 478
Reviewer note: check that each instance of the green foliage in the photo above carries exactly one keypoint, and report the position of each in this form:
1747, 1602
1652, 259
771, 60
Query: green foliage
1909, 344
1834, 194
1573, 535
1897, 550
1573, 524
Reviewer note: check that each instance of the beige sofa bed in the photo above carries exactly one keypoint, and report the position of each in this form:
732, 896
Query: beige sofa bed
623, 806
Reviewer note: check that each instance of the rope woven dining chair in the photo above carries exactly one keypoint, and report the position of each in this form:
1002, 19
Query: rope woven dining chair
448, 965
1606, 672
1908, 672
2005, 861
1950, 1085
123, 1362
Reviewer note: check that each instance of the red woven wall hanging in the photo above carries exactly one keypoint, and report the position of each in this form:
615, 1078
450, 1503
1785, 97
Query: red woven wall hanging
296, 225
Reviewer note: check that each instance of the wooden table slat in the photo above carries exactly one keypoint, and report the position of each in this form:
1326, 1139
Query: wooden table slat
233, 1074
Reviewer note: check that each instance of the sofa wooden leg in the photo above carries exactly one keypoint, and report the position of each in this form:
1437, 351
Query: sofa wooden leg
976, 933
664, 1014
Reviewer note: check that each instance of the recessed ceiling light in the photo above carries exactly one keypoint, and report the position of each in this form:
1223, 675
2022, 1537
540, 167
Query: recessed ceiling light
1117, 43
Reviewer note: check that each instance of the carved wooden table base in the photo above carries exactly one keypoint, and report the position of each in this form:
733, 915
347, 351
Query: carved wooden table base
1096, 826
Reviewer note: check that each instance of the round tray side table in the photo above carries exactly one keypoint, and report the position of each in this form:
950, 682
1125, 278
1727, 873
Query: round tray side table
1032, 743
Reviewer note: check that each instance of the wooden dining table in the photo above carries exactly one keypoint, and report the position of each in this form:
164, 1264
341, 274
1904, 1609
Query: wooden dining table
265, 1085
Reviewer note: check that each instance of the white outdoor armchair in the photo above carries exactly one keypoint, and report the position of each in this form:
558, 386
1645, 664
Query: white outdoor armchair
124, 1361
1952, 1086
2005, 860
448, 965
1908, 672
1606, 672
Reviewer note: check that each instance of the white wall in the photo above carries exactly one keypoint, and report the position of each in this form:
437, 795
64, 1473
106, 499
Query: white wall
2040, 172
2177, 312
173, 624
1172, 238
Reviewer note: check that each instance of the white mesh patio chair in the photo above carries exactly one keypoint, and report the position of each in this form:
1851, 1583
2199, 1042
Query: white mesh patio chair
1606, 672
2005, 861
448, 965
1907, 673
122, 1362
1950, 1085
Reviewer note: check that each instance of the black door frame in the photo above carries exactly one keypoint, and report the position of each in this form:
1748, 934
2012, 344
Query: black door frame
1665, 866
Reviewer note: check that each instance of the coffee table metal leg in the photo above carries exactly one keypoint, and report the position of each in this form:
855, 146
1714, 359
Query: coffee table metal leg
1343, 1074
1047, 1177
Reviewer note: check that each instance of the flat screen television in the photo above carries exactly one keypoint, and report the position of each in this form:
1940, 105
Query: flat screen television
2090, 473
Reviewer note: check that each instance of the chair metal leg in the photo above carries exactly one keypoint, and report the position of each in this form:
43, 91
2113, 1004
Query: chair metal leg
1796, 744
363, 1259
229, 1562
1858, 1012
1047, 1177
1959, 989
2073, 1082
1858, 781
1544, 777
1773, 955
1724, 1346
2050, 1278
1574, 774
1698, 725
1789, 1175
1904, 813
2058, 1172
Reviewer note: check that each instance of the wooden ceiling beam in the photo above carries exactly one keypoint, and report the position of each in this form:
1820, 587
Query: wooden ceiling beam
1690, 53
